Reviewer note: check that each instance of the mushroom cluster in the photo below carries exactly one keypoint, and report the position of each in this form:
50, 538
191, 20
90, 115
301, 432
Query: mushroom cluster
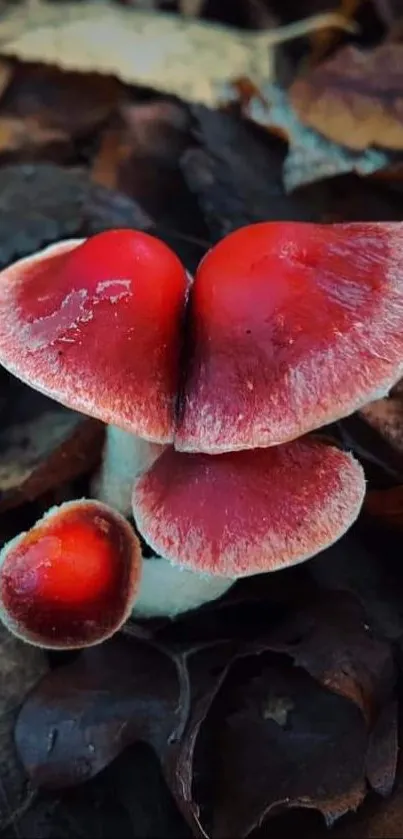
209, 388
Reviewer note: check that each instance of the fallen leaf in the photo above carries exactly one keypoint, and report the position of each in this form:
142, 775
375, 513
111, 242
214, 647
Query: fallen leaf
376, 819
389, 11
383, 750
331, 639
311, 156
382, 460
21, 666
206, 671
139, 154
271, 738
6, 74
27, 135
191, 8
236, 176
57, 100
386, 417
376, 581
386, 505
82, 715
42, 203
354, 98
42, 444
325, 39
171, 53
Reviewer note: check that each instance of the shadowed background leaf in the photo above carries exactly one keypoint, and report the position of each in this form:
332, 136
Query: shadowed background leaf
355, 97
21, 667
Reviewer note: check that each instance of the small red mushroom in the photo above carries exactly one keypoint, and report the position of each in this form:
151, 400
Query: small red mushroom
249, 512
96, 325
292, 326
72, 579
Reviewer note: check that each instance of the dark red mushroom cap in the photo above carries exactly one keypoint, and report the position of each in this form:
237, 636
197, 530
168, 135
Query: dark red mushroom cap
292, 327
248, 512
96, 325
71, 580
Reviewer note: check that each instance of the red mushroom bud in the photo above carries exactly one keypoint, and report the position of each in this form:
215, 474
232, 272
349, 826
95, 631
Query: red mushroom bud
248, 512
71, 580
292, 327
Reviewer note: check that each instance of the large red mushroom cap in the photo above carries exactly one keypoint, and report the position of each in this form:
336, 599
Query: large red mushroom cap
292, 326
71, 580
248, 512
96, 324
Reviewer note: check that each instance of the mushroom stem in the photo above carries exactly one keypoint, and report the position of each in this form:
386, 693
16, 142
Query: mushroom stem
167, 590
125, 458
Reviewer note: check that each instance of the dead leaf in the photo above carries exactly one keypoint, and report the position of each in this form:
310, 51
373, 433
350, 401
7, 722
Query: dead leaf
42, 444
191, 8
27, 135
82, 715
383, 750
139, 154
235, 176
55, 100
386, 417
325, 39
331, 639
171, 53
42, 203
386, 505
21, 666
376, 819
355, 98
349, 566
6, 74
389, 11
311, 156
270, 739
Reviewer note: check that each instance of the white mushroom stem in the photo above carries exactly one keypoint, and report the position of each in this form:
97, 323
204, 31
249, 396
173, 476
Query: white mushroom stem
167, 590
125, 458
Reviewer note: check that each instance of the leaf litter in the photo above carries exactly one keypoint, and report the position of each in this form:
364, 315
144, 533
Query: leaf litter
297, 670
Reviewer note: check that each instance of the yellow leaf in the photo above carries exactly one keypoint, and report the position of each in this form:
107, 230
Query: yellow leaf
189, 58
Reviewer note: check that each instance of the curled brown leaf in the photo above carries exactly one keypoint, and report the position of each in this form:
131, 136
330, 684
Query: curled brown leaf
355, 98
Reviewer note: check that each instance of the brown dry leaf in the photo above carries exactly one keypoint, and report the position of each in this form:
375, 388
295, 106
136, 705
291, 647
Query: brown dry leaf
26, 135
377, 819
21, 666
311, 156
324, 39
386, 417
191, 8
355, 98
332, 640
172, 53
42, 203
42, 444
386, 505
6, 74
70, 102
389, 11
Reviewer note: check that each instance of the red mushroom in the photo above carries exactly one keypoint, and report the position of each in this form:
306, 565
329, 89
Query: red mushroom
96, 325
71, 581
245, 513
292, 326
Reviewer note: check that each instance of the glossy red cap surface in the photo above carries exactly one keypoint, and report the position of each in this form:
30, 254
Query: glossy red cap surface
96, 325
72, 579
292, 326
248, 512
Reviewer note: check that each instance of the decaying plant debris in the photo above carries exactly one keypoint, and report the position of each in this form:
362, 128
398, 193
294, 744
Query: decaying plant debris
277, 707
